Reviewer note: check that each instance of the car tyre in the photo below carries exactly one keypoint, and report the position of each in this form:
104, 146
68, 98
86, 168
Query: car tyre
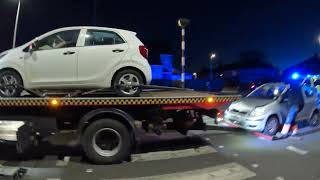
112, 147
13, 79
315, 119
272, 126
128, 77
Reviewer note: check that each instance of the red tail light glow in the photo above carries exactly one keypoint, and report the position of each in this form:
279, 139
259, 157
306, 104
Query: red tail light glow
143, 51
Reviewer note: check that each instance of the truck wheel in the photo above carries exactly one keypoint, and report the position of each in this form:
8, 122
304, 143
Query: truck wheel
124, 81
314, 121
272, 126
106, 141
9, 78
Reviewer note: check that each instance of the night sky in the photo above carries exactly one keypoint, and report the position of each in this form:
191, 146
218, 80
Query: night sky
284, 30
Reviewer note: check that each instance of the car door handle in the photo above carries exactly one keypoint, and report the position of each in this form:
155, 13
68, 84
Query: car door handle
117, 50
68, 53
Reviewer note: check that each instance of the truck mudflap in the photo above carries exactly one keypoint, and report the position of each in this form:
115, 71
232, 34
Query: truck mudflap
27, 138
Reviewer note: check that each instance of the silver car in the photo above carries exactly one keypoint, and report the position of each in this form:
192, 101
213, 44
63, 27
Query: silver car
266, 108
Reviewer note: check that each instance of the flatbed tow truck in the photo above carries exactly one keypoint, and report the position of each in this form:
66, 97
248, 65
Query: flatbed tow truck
106, 126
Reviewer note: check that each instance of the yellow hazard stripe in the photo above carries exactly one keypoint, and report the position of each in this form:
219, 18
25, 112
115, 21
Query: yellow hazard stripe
109, 101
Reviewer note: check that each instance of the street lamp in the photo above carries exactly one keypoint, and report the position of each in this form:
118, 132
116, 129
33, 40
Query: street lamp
16, 26
183, 23
212, 56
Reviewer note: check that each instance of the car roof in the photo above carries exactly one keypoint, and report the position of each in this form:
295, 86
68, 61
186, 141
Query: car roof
121, 31
93, 27
274, 83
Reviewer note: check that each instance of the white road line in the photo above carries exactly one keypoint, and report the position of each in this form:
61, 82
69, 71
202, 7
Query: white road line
230, 171
279, 178
89, 170
53, 179
220, 147
152, 156
297, 150
63, 162
255, 165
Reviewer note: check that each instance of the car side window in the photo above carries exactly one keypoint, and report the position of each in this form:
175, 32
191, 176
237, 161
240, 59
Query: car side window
58, 40
98, 38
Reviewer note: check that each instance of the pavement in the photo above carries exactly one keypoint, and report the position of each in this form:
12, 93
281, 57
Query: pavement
213, 154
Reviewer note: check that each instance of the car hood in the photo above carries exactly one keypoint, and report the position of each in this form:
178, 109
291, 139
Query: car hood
249, 104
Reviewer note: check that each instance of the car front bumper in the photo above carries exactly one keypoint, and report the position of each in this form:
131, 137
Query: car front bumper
246, 122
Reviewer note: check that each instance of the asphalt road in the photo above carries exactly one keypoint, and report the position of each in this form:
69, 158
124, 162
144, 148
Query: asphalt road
201, 155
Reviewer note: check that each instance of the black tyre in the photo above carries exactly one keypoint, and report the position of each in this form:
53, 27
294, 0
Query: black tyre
10, 83
124, 83
272, 126
315, 119
106, 141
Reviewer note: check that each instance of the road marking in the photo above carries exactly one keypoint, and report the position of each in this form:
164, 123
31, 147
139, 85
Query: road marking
63, 162
255, 165
230, 171
152, 156
297, 150
53, 179
279, 178
89, 170
220, 147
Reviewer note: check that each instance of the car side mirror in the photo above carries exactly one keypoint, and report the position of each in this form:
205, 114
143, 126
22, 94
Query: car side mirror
31, 48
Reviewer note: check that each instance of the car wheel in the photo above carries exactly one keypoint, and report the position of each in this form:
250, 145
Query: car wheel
106, 141
125, 83
314, 121
10, 84
272, 126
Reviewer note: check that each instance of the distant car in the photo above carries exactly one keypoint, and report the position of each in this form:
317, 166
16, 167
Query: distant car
266, 108
77, 58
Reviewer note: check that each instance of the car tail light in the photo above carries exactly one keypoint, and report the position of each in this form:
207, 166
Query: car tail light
143, 51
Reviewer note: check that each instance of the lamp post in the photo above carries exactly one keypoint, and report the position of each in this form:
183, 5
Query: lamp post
212, 56
183, 23
16, 26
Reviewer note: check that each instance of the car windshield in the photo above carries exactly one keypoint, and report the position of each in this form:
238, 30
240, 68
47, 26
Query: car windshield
268, 91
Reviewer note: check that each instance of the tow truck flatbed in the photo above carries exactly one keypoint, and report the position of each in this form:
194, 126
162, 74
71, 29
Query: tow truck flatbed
147, 98
112, 118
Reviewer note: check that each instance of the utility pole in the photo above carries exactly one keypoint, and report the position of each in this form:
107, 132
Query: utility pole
16, 26
183, 23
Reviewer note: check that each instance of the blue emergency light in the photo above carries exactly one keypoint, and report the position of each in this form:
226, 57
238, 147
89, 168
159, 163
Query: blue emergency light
295, 75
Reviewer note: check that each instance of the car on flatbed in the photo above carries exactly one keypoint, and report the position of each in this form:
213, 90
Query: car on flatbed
265, 109
77, 58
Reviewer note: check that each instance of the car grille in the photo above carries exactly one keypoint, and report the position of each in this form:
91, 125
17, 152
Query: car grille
238, 111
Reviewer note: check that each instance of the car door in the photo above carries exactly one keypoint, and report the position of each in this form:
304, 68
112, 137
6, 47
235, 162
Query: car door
54, 60
308, 93
101, 52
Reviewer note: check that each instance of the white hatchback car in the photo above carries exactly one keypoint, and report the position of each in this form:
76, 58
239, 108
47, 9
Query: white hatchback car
77, 58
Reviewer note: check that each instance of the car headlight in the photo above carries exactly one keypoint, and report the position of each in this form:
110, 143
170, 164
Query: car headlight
258, 111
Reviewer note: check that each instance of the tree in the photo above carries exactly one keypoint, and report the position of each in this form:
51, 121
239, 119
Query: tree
253, 58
